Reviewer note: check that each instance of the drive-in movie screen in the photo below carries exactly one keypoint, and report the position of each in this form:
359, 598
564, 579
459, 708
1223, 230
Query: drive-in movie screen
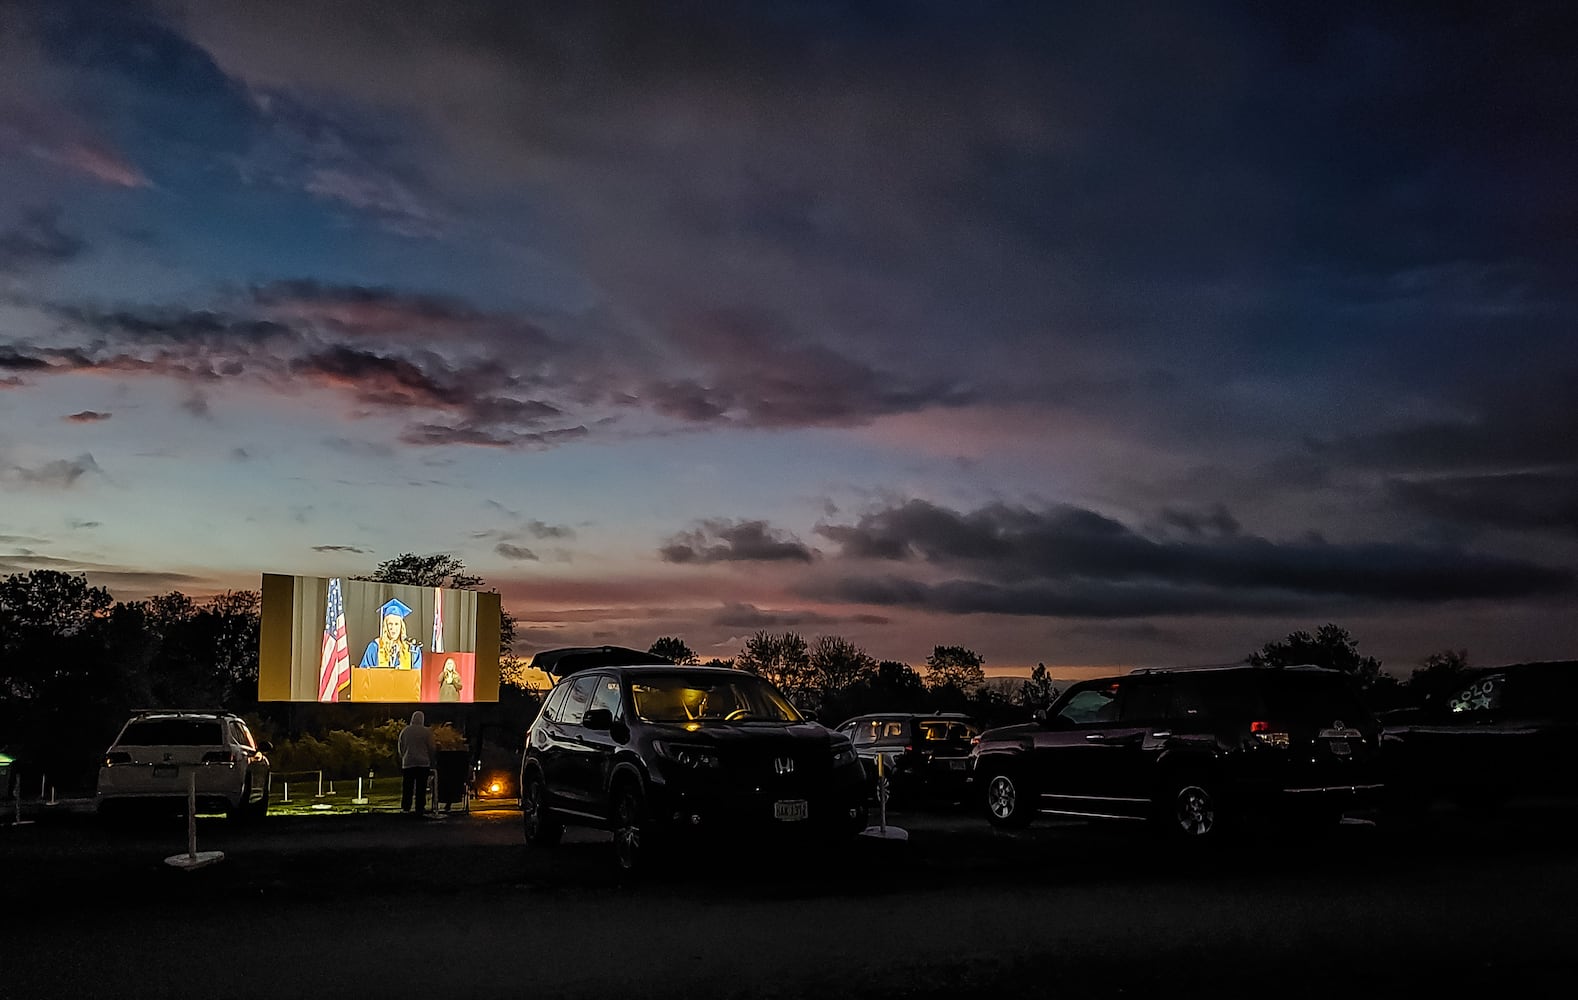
335, 639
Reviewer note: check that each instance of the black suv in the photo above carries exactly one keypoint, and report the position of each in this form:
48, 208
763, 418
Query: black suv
1506, 732
923, 754
659, 754
1190, 749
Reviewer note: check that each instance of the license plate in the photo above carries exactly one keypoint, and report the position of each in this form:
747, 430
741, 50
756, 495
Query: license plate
1340, 748
958, 765
166, 770
791, 810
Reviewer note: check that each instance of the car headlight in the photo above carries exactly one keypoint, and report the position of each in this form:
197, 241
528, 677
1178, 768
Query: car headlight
699, 758
844, 755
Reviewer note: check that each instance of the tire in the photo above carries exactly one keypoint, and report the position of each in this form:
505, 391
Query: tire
1189, 809
259, 809
242, 811
541, 828
1010, 803
632, 834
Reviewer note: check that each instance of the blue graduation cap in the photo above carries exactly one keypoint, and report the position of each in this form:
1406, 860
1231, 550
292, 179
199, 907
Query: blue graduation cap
393, 607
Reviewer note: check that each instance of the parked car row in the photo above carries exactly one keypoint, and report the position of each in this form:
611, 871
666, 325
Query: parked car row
663, 754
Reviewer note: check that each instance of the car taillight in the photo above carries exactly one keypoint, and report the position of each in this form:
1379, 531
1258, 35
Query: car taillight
216, 757
1261, 730
111, 759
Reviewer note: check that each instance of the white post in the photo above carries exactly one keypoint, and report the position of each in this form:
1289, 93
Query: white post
191, 815
287, 791
191, 859
51, 794
882, 796
43, 780
360, 800
320, 784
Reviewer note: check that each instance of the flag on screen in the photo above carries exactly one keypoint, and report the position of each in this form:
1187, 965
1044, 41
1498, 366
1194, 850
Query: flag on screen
438, 620
334, 668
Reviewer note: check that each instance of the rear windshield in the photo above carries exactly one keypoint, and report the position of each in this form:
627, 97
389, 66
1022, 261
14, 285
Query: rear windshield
1320, 695
172, 732
943, 730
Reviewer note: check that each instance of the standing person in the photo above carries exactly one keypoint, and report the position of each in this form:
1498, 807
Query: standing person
449, 683
417, 747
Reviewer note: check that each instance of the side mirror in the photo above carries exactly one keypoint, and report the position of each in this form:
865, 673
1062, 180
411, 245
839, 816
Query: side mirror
267, 746
1041, 716
598, 718
809, 716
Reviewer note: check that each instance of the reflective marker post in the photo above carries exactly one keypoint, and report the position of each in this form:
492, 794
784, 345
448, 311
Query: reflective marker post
192, 859
882, 830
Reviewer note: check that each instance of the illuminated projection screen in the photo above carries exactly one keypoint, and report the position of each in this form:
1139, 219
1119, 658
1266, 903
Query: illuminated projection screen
334, 639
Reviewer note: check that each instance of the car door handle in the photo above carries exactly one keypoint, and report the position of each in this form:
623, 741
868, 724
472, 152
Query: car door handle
1161, 734
1093, 737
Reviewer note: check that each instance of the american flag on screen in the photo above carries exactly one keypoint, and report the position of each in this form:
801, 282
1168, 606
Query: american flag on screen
334, 669
438, 620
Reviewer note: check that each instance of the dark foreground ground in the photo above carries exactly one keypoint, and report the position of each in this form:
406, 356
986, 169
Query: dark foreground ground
382, 905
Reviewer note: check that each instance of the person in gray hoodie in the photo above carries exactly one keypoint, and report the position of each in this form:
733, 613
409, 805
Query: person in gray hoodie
417, 747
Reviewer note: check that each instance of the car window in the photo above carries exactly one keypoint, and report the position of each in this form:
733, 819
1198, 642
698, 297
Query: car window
172, 733
241, 734
1482, 695
865, 732
962, 731
1147, 701
607, 696
579, 699
692, 697
1322, 697
894, 728
555, 703
1090, 705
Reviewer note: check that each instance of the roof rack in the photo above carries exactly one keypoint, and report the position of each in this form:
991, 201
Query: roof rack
182, 711
1241, 665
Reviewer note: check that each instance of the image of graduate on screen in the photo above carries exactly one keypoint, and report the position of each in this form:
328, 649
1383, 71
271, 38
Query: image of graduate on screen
393, 649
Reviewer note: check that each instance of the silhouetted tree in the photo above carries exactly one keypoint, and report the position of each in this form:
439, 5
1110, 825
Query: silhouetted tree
1439, 675
838, 664
1330, 646
673, 648
440, 569
955, 667
782, 659
1038, 691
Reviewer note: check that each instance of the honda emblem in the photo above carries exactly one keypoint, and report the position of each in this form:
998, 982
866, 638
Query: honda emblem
783, 765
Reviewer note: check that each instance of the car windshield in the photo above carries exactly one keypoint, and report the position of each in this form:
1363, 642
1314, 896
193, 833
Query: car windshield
172, 732
691, 698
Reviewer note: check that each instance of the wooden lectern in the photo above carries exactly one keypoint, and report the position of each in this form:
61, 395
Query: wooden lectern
375, 684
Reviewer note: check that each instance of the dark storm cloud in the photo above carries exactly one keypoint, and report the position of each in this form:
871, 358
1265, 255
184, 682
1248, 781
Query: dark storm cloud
1070, 561
59, 474
340, 548
37, 240
369, 311
1216, 521
518, 553
723, 540
540, 529
1541, 502
748, 616
87, 417
765, 374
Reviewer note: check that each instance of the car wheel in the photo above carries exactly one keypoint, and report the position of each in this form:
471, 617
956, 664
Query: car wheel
241, 810
542, 829
259, 809
632, 841
1191, 810
1009, 802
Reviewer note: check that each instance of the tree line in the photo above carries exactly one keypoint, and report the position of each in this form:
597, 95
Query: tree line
75, 663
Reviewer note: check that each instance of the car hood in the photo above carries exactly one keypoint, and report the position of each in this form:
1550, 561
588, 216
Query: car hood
747, 736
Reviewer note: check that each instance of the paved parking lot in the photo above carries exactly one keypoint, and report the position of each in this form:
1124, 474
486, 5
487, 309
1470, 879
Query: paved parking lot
370, 904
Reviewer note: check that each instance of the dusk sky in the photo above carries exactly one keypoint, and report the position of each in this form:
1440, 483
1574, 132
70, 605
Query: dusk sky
1106, 334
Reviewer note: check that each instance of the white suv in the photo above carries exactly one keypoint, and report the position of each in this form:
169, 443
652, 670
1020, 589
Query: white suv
158, 754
